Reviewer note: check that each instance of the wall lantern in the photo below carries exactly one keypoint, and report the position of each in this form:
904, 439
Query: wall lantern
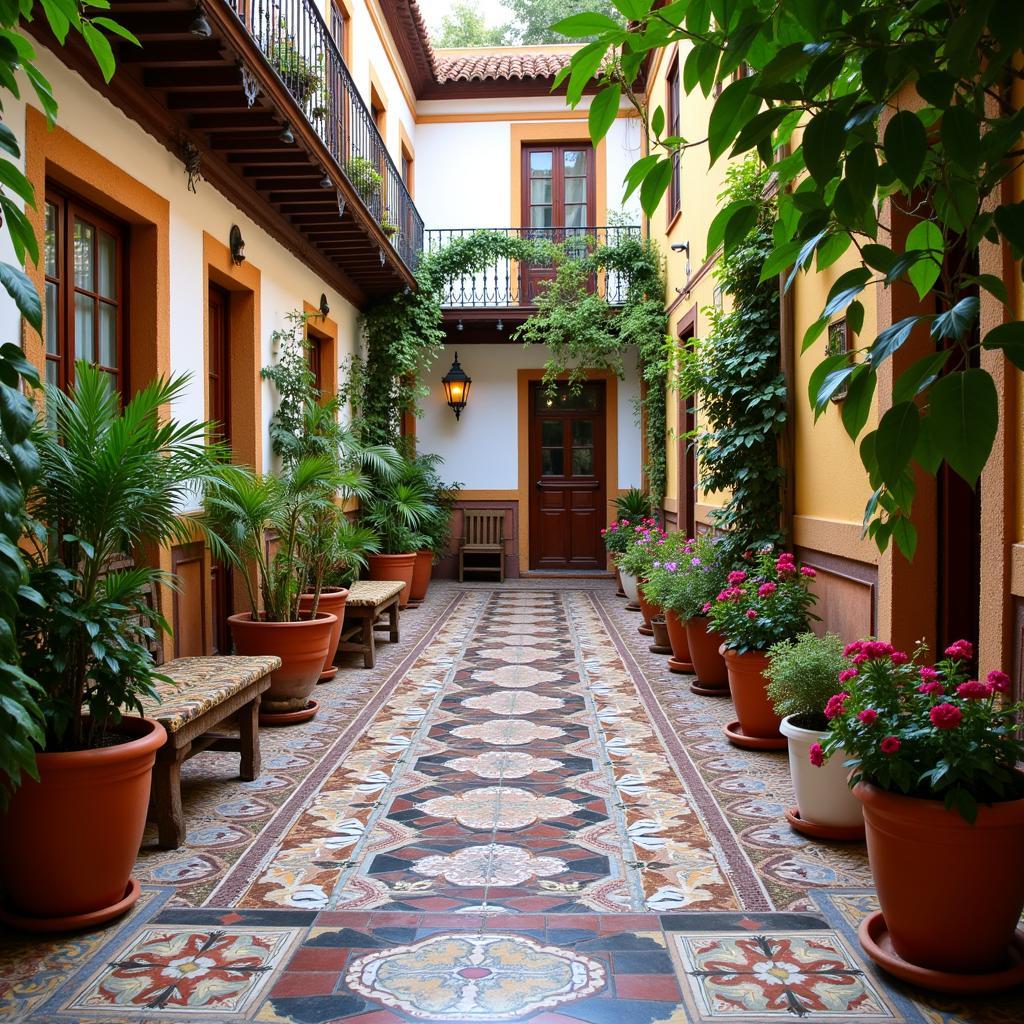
200, 27
456, 387
236, 243
323, 307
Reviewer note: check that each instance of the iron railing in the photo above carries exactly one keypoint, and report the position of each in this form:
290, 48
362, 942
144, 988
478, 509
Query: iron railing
300, 48
506, 283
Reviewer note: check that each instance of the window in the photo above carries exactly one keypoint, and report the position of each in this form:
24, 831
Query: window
340, 29
407, 169
84, 255
672, 116
558, 188
315, 343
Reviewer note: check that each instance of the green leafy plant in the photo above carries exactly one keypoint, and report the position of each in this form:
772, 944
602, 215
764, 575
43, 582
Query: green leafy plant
910, 139
690, 575
365, 178
926, 732
399, 511
803, 675
111, 480
767, 602
304, 76
635, 504
423, 468
617, 536
644, 550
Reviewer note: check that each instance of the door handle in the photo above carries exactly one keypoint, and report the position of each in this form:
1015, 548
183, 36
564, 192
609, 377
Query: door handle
538, 485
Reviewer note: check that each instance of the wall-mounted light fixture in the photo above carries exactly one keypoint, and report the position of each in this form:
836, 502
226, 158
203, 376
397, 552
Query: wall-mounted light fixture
236, 243
459, 326
326, 182
456, 387
200, 27
286, 135
324, 308
683, 247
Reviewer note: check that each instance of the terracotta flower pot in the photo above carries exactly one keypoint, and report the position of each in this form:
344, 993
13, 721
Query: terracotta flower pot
648, 610
680, 660
421, 570
301, 646
394, 567
758, 725
951, 893
826, 806
332, 601
704, 645
68, 842
662, 644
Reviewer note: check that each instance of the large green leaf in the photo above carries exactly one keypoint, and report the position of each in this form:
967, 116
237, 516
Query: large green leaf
730, 112
896, 438
20, 288
905, 146
964, 410
926, 237
1010, 338
603, 109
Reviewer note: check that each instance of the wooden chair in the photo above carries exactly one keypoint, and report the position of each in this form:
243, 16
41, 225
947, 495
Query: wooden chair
483, 535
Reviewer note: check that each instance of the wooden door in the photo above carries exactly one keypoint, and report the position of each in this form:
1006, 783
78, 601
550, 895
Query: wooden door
567, 463
219, 413
558, 202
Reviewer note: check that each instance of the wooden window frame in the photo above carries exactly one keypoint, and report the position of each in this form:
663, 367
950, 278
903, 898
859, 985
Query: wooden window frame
340, 12
672, 119
557, 150
69, 207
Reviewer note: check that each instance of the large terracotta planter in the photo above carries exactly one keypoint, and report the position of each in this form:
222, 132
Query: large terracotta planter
648, 610
332, 601
950, 892
394, 567
680, 660
758, 726
421, 570
68, 842
301, 646
826, 807
708, 663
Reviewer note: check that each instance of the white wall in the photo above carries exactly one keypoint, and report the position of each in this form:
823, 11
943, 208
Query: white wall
481, 449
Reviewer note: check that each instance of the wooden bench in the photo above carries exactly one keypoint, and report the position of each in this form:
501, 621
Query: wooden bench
483, 533
368, 600
204, 693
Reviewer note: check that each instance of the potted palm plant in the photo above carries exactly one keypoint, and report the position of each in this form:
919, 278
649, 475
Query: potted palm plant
934, 757
764, 603
804, 675
112, 482
243, 510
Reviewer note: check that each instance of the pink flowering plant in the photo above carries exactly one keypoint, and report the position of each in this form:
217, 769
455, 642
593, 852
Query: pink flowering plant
925, 731
644, 548
618, 536
765, 601
688, 574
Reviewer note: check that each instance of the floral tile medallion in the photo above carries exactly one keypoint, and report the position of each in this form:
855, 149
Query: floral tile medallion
498, 807
513, 732
502, 764
183, 971
474, 977
493, 864
512, 702
516, 676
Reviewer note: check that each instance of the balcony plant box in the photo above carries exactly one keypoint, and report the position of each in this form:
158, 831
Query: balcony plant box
110, 479
762, 604
935, 757
805, 675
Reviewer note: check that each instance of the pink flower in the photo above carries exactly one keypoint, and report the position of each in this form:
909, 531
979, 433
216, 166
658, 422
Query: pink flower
859, 659
847, 674
961, 650
928, 674
877, 649
933, 687
766, 589
806, 570
816, 754
945, 716
999, 681
868, 716
625, 522
889, 745
737, 576
899, 657
706, 608
974, 690
836, 705
751, 614
852, 648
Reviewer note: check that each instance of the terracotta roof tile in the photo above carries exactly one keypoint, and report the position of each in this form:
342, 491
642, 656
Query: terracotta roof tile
480, 67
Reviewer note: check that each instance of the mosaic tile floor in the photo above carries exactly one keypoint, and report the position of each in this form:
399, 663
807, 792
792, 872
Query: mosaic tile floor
520, 815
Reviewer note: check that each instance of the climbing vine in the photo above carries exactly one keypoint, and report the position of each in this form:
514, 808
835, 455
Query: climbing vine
735, 376
402, 334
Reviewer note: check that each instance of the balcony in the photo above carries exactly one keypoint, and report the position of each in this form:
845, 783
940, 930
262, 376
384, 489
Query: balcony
507, 284
254, 97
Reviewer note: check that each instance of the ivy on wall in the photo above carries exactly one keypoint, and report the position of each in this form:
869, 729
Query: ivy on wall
403, 334
735, 376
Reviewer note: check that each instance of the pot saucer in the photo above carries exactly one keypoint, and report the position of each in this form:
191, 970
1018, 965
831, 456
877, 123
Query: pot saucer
620, 592
73, 922
738, 738
632, 606
328, 674
710, 691
680, 666
290, 717
874, 937
659, 649
644, 630
839, 833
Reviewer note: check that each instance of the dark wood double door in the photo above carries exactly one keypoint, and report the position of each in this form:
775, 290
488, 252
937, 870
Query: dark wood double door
567, 472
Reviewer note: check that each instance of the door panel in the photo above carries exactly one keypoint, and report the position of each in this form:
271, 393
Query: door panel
567, 460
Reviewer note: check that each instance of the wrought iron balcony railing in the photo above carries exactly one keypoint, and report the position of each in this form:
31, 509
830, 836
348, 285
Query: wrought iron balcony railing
298, 45
506, 283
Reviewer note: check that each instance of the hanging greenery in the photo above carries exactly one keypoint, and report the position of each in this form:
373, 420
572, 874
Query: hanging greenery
403, 334
734, 374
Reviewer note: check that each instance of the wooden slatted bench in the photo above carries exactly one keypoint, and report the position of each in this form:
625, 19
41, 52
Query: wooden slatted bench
368, 601
483, 534
204, 693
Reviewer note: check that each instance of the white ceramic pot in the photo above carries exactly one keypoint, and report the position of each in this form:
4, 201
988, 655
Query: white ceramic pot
629, 585
823, 794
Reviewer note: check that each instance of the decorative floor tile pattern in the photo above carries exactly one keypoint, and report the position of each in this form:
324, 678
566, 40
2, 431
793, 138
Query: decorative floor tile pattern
519, 816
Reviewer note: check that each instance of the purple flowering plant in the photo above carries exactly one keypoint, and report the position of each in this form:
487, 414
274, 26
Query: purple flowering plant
689, 573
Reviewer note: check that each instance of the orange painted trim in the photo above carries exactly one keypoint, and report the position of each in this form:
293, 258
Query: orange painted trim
409, 154
326, 330
387, 44
611, 430
379, 99
346, 10
528, 134
516, 115
54, 154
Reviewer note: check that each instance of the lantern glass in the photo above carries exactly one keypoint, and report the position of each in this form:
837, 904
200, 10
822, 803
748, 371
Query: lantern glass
456, 387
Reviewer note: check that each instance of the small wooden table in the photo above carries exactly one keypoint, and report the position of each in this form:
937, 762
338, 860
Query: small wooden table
204, 693
368, 600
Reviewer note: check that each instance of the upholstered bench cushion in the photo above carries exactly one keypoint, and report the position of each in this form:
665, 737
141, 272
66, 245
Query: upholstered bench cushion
199, 684
369, 593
